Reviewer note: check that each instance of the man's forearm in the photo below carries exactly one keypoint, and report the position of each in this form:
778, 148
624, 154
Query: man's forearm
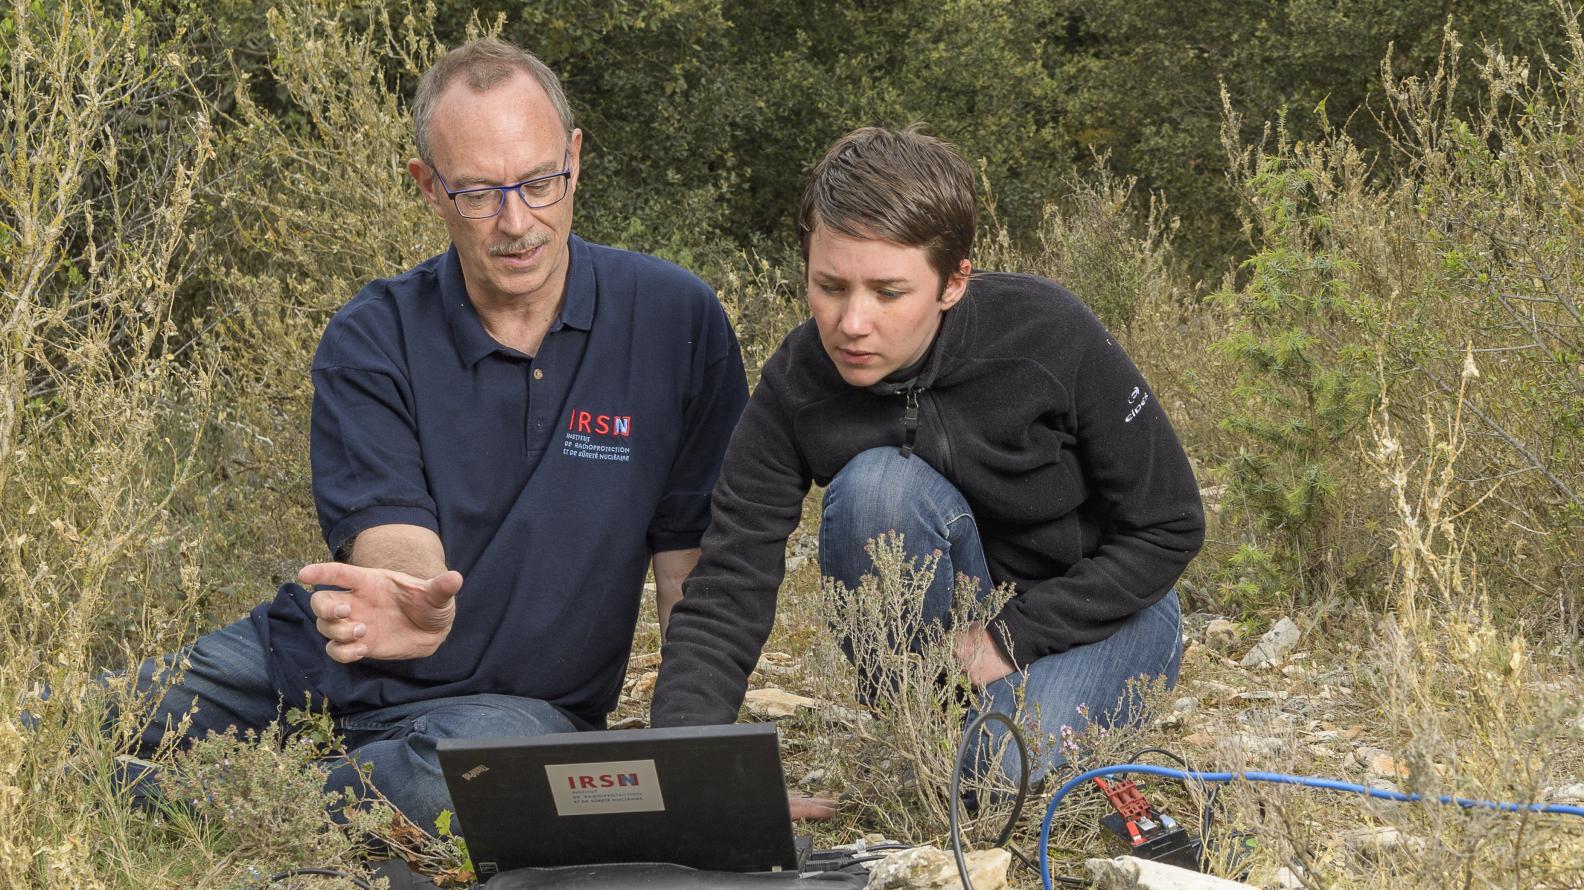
671, 568
411, 549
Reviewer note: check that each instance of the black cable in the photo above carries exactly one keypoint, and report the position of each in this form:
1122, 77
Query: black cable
969, 733
1208, 816
318, 872
1161, 751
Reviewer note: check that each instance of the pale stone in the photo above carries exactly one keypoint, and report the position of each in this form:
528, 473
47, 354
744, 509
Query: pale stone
1573, 793
1378, 762
629, 723
1381, 843
1386, 765
814, 777
775, 703
1130, 873
643, 687
847, 715
931, 868
1222, 634
1288, 879
1250, 745
1274, 645
1276, 695
1366, 755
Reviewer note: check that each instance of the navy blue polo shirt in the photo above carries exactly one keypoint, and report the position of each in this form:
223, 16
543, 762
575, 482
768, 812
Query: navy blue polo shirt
550, 479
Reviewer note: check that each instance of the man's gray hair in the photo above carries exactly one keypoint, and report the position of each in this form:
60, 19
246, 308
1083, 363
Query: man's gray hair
486, 63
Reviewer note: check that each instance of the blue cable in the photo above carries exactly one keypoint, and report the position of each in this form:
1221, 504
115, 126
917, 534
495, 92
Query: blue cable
1277, 778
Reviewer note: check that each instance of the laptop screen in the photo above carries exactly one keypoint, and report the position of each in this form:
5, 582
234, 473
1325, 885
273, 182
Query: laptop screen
708, 797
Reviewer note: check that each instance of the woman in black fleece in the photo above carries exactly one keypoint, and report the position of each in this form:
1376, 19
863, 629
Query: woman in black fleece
986, 416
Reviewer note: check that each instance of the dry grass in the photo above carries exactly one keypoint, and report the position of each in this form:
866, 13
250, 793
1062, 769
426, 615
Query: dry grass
168, 256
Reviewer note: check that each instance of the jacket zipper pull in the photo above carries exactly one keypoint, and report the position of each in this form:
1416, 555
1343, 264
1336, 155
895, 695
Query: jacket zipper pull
910, 421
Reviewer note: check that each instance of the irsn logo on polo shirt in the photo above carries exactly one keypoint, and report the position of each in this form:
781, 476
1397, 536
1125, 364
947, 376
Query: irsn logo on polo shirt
599, 424
591, 435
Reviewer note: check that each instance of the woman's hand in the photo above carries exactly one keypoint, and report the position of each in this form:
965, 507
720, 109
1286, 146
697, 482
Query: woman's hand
978, 655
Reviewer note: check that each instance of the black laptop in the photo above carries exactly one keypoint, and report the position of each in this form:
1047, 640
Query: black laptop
707, 797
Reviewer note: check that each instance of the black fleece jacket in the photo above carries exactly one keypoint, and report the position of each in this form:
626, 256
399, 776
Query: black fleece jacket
1083, 496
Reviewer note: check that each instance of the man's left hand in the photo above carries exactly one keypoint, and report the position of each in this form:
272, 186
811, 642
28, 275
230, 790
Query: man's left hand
978, 655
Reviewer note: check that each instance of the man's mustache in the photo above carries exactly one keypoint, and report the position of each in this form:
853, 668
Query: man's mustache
521, 245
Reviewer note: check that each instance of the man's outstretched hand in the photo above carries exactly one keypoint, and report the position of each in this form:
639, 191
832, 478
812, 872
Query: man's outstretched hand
813, 809
379, 613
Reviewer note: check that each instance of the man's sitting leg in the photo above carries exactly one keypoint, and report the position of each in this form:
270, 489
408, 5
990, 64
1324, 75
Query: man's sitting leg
225, 686
397, 745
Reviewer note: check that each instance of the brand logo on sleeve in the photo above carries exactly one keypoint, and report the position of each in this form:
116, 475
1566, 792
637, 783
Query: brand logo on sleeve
596, 435
1136, 402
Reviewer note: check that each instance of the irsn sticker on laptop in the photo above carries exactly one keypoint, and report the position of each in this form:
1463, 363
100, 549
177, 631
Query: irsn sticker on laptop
623, 786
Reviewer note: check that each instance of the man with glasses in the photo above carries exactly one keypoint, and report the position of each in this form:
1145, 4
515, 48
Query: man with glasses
504, 439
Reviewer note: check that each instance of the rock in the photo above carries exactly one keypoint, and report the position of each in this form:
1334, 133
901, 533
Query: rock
1129, 873
1222, 635
1194, 623
1261, 695
1274, 645
813, 778
628, 723
775, 703
1380, 844
1386, 765
1185, 705
1568, 793
1219, 691
849, 716
1288, 879
1249, 745
643, 687
931, 868
1378, 762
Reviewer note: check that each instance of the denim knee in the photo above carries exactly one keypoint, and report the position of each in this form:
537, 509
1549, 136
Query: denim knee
879, 490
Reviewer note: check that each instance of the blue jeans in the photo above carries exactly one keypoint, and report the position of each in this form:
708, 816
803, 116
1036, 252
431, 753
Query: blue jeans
880, 490
227, 686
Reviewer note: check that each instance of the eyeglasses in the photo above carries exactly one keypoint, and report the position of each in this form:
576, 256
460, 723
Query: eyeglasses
488, 200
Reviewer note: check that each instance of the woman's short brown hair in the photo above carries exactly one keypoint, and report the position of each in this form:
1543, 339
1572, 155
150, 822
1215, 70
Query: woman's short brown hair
899, 185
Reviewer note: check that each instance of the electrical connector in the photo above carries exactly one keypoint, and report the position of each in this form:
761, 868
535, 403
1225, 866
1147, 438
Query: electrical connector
1144, 831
